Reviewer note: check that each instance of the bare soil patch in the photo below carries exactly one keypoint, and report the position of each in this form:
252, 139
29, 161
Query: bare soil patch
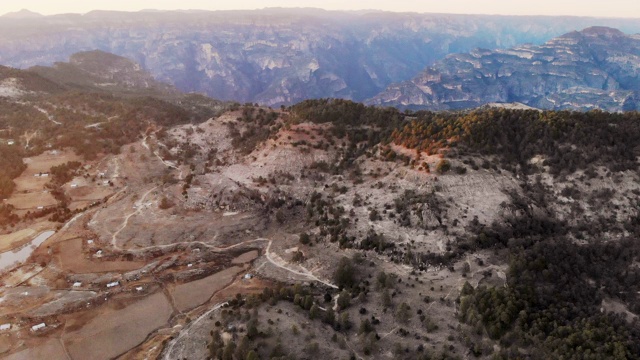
188, 296
32, 201
612, 305
5, 344
30, 183
21, 274
71, 258
51, 349
43, 162
18, 238
114, 332
242, 286
89, 192
30, 191
246, 257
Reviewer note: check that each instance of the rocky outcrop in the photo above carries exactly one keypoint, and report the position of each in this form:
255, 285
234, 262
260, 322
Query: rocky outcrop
276, 56
597, 68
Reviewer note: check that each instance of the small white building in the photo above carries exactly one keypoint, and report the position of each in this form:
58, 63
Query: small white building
44, 175
89, 241
5, 327
139, 288
38, 327
77, 284
74, 185
112, 284
40, 207
10, 142
248, 276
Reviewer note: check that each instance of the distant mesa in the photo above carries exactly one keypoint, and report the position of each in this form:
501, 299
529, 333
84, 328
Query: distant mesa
602, 31
22, 14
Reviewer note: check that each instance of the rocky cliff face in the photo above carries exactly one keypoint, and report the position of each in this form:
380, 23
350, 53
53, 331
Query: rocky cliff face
276, 56
596, 68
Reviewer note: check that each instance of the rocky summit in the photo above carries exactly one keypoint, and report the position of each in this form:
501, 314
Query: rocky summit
596, 68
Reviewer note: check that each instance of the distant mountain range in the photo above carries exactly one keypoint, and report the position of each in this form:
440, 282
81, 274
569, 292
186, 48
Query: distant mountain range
598, 67
22, 14
277, 56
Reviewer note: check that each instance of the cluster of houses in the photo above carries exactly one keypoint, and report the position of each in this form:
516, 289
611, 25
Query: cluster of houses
34, 328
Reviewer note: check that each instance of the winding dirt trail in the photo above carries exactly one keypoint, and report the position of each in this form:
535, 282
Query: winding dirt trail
166, 163
168, 353
277, 262
47, 115
305, 271
269, 256
125, 223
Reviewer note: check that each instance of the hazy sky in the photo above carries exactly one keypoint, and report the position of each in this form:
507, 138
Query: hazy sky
603, 8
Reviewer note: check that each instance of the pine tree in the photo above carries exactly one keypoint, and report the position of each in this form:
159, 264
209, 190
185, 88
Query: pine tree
314, 312
252, 355
227, 354
344, 300
216, 344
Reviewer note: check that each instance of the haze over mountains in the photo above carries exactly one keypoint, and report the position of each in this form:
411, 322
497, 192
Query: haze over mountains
140, 222
276, 56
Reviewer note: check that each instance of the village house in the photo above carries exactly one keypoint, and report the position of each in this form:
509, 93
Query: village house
37, 327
